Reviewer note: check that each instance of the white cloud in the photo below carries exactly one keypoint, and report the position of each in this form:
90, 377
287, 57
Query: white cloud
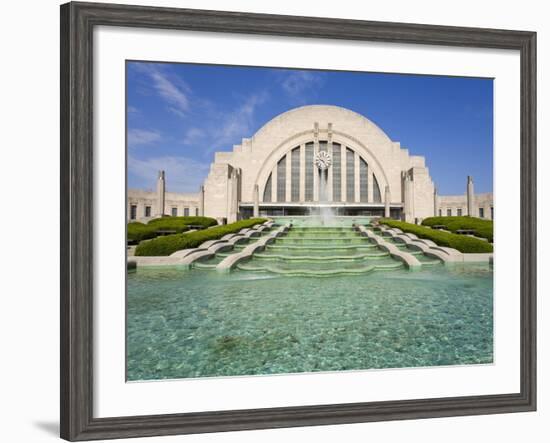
182, 174
220, 128
299, 84
138, 137
223, 128
238, 123
173, 90
193, 135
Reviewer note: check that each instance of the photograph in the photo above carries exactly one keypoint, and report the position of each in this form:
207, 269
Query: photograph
266, 222
292, 221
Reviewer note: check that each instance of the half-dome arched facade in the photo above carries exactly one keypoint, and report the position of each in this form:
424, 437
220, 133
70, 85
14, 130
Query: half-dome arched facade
316, 156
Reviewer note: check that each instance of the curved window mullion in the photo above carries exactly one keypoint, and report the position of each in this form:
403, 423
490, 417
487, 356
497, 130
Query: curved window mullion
363, 180
336, 172
281, 179
295, 175
309, 172
350, 173
377, 197
267, 190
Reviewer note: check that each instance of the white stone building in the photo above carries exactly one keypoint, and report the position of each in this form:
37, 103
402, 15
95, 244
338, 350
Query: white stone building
309, 158
144, 205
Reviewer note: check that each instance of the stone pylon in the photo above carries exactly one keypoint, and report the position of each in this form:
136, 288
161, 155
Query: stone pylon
387, 198
161, 194
256, 211
233, 196
201, 201
470, 197
408, 198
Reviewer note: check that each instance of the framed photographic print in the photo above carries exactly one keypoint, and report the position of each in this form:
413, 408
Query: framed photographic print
273, 221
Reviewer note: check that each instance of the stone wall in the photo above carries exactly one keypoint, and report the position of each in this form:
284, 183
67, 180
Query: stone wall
458, 205
142, 199
423, 191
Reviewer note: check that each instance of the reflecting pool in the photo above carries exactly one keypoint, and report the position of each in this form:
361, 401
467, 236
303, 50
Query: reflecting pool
201, 323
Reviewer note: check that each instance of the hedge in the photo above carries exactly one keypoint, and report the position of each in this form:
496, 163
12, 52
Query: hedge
176, 242
462, 243
482, 228
176, 223
139, 231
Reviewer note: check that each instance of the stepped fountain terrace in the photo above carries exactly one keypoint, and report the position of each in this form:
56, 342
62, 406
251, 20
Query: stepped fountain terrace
317, 251
272, 313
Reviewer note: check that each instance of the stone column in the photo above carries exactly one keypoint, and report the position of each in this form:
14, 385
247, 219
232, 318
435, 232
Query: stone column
233, 197
302, 173
256, 211
230, 190
201, 201
274, 179
408, 199
370, 184
404, 196
315, 170
357, 184
288, 178
387, 198
487, 212
235, 205
470, 198
161, 194
435, 202
329, 172
344, 172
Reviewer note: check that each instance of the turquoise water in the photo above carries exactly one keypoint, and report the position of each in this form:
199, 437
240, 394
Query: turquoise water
200, 323
315, 221
323, 251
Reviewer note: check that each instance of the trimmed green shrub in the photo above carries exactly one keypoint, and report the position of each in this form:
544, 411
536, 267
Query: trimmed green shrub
462, 243
137, 232
483, 228
166, 223
171, 243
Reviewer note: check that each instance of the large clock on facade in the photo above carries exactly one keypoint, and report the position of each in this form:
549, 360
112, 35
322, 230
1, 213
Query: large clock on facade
323, 160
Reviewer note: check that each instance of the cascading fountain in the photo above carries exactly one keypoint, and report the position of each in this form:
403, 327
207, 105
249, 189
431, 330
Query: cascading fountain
326, 212
321, 251
323, 162
321, 247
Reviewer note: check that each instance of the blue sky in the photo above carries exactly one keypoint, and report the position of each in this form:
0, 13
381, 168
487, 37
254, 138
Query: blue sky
180, 114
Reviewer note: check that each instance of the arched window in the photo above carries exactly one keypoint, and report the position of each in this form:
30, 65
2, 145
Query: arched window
377, 197
295, 175
267, 190
336, 173
363, 181
296, 170
350, 175
309, 172
281, 180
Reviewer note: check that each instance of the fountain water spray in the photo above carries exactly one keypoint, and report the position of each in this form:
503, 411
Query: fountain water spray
326, 213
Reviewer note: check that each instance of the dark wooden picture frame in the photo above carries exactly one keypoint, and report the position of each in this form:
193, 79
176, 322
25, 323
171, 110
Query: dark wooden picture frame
77, 24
